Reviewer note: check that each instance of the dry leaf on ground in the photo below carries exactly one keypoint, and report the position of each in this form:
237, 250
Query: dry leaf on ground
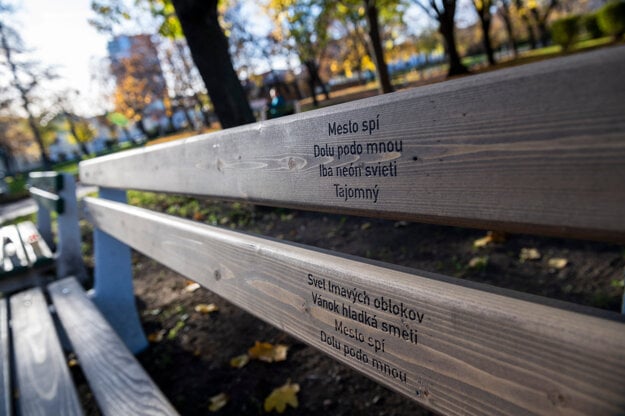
192, 287
529, 254
264, 351
217, 402
240, 361
478, 262
157, 336
206, 308
558, 263
491, 237
281, 397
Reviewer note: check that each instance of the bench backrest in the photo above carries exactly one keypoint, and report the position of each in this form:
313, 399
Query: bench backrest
536, 149
56, 192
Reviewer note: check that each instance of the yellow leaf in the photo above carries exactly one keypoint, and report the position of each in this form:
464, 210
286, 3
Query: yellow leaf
529, 254
365, 226
204, 308
217, 402
240, 361
267, 352
192, 287
281, 397
491, 237
72, 362
478, 262
156, 336
558, 263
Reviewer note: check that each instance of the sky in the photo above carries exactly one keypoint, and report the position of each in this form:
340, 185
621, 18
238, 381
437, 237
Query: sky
60, 35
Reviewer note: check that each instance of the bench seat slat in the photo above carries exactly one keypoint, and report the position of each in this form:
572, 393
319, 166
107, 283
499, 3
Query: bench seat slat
119, 383
14, 258
35, 247
445, 341
5, 378
43, 378
535, 149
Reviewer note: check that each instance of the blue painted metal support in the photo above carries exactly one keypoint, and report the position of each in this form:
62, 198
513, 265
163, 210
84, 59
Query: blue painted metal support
113, 290
69, 260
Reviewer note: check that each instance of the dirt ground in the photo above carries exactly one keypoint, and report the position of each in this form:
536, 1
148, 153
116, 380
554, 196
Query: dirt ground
191, 361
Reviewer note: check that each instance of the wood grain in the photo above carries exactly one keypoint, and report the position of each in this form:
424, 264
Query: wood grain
455, 349
538, 149
35, 247
14, 258
43, 379
5, 374
48, 199
48, 181
119, 383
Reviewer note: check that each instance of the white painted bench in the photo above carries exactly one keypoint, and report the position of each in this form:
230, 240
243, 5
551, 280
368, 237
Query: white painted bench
36, 335
535, 149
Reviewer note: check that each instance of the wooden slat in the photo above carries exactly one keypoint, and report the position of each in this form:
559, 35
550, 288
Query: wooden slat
43, 379
121, 386
48, 181
451, 347
5, 376
538, 149
14, 258
36, 249
49, 200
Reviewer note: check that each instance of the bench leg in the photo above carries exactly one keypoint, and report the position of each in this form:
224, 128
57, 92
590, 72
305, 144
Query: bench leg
113, 291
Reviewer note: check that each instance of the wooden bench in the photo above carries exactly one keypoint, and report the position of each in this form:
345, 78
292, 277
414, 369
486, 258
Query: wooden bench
535, 149
37, 336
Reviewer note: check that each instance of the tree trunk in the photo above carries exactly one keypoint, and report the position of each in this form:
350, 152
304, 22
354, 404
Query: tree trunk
315, 79
531, 36
376, 44
209, 48
488, 47
72, 129
504, 12
446, 29
45, 160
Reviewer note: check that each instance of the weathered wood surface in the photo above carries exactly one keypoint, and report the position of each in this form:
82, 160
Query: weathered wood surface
47, 181
538, 148
120, 385
453, 348
51, 201
36, 249
5, 377
43, 379
14, 258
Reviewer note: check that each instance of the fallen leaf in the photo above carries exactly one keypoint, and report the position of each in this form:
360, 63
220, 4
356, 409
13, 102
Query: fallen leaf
558, 263
529, 254
192, 287
491, 237
264, 351
72, 362
155, 337
206, 308
365, 226
478, 262
173, 333
240, 361
281, 397
217, 402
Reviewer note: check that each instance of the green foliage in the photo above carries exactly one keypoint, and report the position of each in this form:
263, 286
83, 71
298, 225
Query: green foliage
611, 19
564, 31
591, 25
